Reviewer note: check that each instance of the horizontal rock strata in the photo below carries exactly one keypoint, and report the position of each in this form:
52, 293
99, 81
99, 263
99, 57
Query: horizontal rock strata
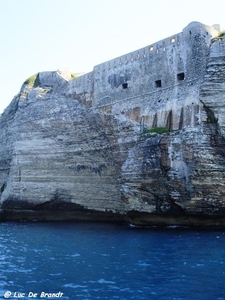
61, 159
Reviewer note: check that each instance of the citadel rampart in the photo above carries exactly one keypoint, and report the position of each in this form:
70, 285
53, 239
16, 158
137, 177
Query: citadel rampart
157, 85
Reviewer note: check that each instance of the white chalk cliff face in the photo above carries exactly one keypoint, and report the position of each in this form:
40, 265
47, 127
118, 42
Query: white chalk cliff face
56, 154
63, 160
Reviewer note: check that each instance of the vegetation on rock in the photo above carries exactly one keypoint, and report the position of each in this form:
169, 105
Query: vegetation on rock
156, 130
73, 76
220, 36
33, 81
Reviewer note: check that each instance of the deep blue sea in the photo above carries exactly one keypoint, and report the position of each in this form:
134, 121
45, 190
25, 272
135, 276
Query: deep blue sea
88, 261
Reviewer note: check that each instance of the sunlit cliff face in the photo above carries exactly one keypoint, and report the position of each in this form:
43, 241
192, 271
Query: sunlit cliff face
115, 145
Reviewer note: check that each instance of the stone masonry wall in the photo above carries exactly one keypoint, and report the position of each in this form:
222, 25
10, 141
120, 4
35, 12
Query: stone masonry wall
157, 85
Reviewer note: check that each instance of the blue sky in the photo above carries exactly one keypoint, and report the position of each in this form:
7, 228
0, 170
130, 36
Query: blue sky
47, 35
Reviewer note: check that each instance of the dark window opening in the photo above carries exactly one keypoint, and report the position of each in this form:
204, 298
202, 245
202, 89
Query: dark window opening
190, 32
125, 85
180, 76
158, 83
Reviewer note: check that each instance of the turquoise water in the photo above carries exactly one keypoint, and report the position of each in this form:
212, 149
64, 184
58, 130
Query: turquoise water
108, 261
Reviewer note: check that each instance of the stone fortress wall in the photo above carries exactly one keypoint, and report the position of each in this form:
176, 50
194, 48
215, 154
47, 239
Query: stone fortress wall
156, 86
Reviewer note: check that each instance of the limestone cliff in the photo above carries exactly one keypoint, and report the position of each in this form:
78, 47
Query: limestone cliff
61, 159
179, 178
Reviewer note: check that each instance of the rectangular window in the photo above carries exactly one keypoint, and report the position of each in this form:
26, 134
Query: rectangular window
158, 83
125, 85
180, 76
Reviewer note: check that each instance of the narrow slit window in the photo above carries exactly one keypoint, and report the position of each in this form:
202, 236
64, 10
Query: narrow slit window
125, 85
158, 83
180, 76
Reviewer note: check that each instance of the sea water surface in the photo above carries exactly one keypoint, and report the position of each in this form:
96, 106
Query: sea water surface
110, 261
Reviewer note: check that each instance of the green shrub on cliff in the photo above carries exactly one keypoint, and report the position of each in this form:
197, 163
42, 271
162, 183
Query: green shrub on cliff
73, 76
220, 36
156, 130
33, 81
